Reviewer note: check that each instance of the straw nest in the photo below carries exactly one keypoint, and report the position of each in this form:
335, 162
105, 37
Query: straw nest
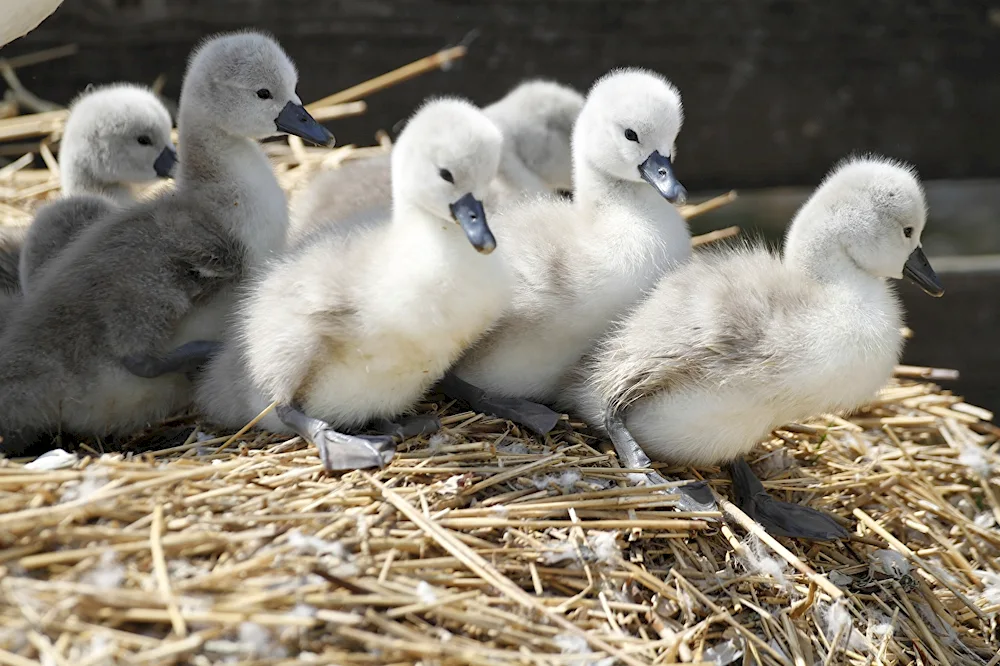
484, 544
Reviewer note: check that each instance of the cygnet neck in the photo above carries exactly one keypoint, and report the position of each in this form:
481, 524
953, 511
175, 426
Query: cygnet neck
515, 174
825, 259
596, 190
77, 178
408, 215
414, 226
209, 154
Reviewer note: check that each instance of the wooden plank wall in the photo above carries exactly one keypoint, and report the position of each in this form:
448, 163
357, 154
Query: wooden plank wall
959, 330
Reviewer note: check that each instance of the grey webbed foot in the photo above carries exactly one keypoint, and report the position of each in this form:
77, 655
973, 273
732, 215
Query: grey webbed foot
691, 497
187, 358
532, 415
337, 450
630, 454
694, 497
405, 427
780, 518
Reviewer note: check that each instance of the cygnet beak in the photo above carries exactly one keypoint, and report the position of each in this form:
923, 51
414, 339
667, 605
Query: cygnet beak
294, 119
468, 212
658, 171
918, 270
165, 162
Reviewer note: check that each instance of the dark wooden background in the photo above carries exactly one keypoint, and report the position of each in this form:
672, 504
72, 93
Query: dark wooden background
959, 330
775, 90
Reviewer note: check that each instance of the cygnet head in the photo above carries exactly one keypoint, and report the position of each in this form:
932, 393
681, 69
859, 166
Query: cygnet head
627, 130
114, 135
871, 209
443, 163
244, 85
537, 119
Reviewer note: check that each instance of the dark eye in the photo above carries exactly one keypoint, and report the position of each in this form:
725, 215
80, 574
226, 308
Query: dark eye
264, 93
444, 173
631, 135
144, 140
908, 232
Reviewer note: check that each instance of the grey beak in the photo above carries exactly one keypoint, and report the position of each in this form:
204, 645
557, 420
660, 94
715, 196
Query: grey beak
468, 212
165, 162
658, 171
918, 270
294, 119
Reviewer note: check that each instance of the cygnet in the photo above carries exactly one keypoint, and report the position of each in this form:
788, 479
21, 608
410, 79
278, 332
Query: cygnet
115, 136
578, 265
23, 16
138, 283
739, 341
350, 328
536, 119
11, 241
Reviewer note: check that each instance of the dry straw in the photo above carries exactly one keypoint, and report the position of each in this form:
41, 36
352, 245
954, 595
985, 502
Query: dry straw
484, 544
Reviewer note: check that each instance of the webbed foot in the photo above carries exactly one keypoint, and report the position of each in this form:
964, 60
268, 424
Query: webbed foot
189, 357
534, 416
691, 497
337, 450
780, 518
405, 427
696, 496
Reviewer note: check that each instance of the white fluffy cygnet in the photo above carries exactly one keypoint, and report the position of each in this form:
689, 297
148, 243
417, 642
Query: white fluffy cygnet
347, 328
580, 264
23, 16
536, 119
740, 341
115, 137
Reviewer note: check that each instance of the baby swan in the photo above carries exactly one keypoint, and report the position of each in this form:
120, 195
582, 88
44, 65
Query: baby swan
738, 341
23, 16
350, 328
148, 278
536, 119
580, 264
115, 136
